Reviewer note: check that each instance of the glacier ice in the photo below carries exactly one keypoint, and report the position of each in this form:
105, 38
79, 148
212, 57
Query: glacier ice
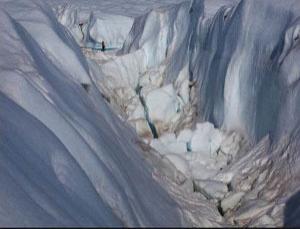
231, 201
190, 118
63, 152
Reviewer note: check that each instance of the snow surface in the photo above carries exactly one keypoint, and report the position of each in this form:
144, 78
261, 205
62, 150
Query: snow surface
209, 86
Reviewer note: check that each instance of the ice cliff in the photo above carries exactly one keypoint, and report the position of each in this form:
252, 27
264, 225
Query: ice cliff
66, 159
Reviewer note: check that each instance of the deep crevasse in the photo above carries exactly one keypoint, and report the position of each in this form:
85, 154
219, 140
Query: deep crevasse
223, 60
238, 66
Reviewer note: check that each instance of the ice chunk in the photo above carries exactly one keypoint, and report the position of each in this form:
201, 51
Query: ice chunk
163, 104
138, 113
142, 128
185, 135
231, 201
168, 138
168, 144
177, 147
213, 189
231, 144
159, 146
206, 139
200, 171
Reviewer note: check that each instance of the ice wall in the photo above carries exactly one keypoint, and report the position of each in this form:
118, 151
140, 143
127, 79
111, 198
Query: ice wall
66, 159
245, 62
243, 58
240, 63
164, 35
90, 27
241, 55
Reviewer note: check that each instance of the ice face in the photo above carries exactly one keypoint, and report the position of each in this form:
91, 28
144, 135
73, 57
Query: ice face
239, 67
64, 157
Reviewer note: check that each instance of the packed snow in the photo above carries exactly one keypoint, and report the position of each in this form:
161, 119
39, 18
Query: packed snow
189, 117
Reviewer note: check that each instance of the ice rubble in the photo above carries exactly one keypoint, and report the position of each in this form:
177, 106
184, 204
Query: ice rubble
204, 151
210, 87
136, 82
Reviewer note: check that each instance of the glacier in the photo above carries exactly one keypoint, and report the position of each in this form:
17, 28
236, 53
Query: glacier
188, 118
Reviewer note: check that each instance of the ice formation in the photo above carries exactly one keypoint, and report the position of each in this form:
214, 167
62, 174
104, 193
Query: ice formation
188, 118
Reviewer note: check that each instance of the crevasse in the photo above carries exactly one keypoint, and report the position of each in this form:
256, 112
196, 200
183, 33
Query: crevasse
218, 81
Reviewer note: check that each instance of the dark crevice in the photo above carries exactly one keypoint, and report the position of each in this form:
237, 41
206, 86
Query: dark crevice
86, 87
229, 187
196, 188
188, 147
220, 210
105, 97
151, 125
81, 29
